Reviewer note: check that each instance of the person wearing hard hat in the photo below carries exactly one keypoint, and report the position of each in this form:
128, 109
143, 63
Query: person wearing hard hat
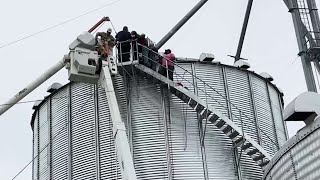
108, 42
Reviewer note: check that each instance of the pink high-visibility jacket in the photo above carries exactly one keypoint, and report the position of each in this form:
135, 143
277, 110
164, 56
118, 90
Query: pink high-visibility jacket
168, 58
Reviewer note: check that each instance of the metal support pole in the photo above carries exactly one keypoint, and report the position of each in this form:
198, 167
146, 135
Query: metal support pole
314, 16
244, 30
305, 59
180, 24
33, 85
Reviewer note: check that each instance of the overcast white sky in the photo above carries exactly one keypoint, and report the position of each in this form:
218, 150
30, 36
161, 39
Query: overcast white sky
270, 46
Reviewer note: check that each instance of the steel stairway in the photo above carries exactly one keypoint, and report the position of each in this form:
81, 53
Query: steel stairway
228, 127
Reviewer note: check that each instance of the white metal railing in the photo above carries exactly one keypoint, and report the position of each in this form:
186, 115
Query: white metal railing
203, 87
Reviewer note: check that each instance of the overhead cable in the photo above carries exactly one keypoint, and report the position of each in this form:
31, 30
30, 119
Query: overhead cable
52, 27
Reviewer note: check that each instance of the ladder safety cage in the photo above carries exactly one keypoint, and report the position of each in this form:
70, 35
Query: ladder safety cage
307, 12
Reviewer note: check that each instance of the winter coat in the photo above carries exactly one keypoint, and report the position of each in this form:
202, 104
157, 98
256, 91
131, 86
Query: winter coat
108, 39
168, 59
123, 36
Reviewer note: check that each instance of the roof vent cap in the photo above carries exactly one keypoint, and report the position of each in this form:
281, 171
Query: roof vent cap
266, 76
53, 87
241, 64
206, 57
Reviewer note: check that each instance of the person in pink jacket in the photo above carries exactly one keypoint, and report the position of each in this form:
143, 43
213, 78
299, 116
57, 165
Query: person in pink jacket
167, 62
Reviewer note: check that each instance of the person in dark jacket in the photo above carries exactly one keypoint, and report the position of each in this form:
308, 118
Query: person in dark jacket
143, 43
154, 57
134, 38
123, 38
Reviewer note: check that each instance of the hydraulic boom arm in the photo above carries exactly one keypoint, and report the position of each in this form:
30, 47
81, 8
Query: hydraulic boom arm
41, 79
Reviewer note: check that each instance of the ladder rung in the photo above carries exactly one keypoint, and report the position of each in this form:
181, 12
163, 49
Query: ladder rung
257, 158
227, 129
199, 108
220, 123
252, 152
246, 146
264, 163
213, 118
233, 134
238, 141
205, 113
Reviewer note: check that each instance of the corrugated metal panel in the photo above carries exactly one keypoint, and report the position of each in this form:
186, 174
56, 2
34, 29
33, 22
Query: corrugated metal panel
277, 115
264, 115
155, 154
283, 169
306, 155
299, 157
244, 116
149, 147
59, 123
218, 148
109, 168
43, 143
120, 86
35, 163
185, 149
215, 86
83, 132
240, 97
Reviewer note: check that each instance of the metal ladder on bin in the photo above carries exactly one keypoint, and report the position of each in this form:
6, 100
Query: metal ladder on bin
228, 127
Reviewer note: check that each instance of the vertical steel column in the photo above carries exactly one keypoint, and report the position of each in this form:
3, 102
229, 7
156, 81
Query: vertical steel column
254, 108
69, 131
33, 175
127, 86
180, 24
273, 120
235, 151
315, 21
284, 123
97, 132
244, 30
200, 126
38, 144
314, 16
305, 59
49, 117
167, 134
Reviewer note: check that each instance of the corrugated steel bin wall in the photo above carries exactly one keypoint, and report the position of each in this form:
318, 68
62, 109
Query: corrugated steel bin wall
164, 133
299, 157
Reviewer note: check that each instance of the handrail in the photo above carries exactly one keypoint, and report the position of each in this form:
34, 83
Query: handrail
208, 95
211, 96
234, 115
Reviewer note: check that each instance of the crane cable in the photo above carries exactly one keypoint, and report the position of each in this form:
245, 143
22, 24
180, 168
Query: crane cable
113, 27
64, 22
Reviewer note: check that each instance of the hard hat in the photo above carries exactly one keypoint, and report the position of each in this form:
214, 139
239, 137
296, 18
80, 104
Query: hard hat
109, 30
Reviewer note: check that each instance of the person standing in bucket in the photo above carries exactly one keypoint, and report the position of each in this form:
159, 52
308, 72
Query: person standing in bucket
123, 38
108, 42
167, 64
